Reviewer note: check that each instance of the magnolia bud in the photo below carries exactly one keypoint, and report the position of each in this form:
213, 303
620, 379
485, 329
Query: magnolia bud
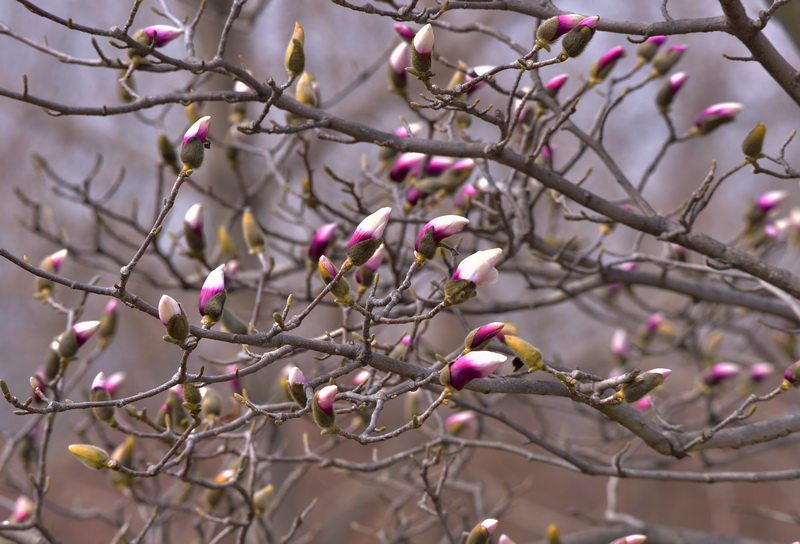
295, 59
253, 235
754, 141
527, 353
91, 456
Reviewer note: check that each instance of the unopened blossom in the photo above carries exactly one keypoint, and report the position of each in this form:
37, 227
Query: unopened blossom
643, 384
89, 455
714, 116
321, 240
526, 353
401, 350
193, 231
173, 318
365, 274
620, 344
482, 532
404, 32
479, 71
405, 164
576, 40
478, 338
413, 197
761, 371
465, 196
295, 58
664, 62
720, 372
67, 343
479, 267
791, 376
416, 129
653, 322
555, 27
648, 48
108, 323
455, 424
212, 296
668, 91
423, 40
475, 364
322, 407
631, 539
114, 381
399, 60
295, 383
24, 508
367, 236
753, 143
340, 289
50, 264
195, 142
554, 85
157, 35
603, 66
100, 393
437, 230
770, 200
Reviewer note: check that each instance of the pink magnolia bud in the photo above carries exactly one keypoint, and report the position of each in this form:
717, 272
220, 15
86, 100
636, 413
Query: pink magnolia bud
479, 267
482, 532
195, 142
475, 364
405, 164
367, 236
193, 230
479, 71
322, 407
322, 239
366, 272
437, 230
212, 296
114, 381
603, 66
555, 27
159, 35
423, 41
84, 330
648, 48
668, 91
404, 32
761, 371
24, 508
416, 129
198, 130
654, 322
399, 60
478, 338
720, 372
664, 62
770, 200
620, 345
168, 308
455, 424
554, 85
714, 116
791, 375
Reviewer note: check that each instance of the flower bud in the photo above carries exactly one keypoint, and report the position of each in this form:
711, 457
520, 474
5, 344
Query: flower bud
211, 403
253, 235
399, 60
620, 344
193, 231
173, 318
123, 454
307, 90
227, 248
456, 423
421, 48
295, 59
340, 289
552, 87
262, 498
555, 27
233, 324
24, 508
323, 237
668, 91
91, 456
435, 231
664, 62
100, 393
192, 397
296, 386
322, 408
482, 532
475, 364
720, 372
478, 338
479, 268
402, 348
791, 376
108, 323
578, 38
404, 32
761, 371
212, 296
67, 343
50, 264
195, 142
648, 48
714, 116
365, 274
603, 66
643, 384
157, 35
526, 352
754, 141
367, 237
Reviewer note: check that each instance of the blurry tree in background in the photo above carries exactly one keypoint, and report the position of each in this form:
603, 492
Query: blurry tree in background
465, 271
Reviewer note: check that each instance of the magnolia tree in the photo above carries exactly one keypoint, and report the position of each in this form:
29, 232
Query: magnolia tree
436, 292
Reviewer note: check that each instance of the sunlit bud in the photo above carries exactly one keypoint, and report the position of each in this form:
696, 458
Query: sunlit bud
262, 498
578, 38
666, 94
228, 251
100, 393
603, 66
123, 454
620, 345
482, 532
761, 371
296, 386
720, 372
554, 85
555, 27
422, 45
195, 142
91, 456
526, 352
253, 235
295, 59
754, 141
365, 274
212, 296
437, 230
553, 535
399, 60
479, 268
791, 376
307, 89
157, 35
643, 384
173, 318
24, 508
714, 116
51, 264
322, 239
322, 408
193, 231
340, 289
665, 61
475, 364
367, 236
504, 539
478, 338
648, 48
478, 71
108, 323
770, 200
456, 423
404, 32
631, 539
